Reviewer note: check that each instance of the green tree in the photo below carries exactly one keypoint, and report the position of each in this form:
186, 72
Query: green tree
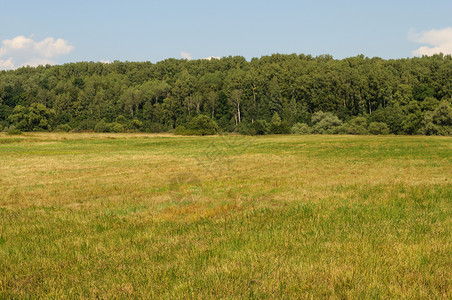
131, 100
439, 122
378, 128
325, 123
35, 118
236, 99
212, 100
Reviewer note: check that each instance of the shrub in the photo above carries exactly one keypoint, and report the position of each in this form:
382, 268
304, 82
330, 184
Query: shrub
275, 123
277, 126
180, 130
101, 126
200, 125
4, 125
1, 127
392, 116
438, 122
344, 129
260, 127
301, 128
63, 128
84, 125
325, 122
378, 128
116, 127
246, 129
204, 124
121, 120
136, 125
152, 127
33, 118
14, 131
433, 129
356, 125
412, 123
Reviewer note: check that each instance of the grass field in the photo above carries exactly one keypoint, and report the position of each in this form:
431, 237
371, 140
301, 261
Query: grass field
159, 216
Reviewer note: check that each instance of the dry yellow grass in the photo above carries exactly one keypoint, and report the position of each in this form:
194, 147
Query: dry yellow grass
141, 215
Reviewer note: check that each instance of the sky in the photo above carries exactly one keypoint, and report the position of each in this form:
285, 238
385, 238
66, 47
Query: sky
57, 32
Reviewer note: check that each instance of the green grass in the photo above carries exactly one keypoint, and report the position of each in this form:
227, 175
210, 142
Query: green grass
159, 216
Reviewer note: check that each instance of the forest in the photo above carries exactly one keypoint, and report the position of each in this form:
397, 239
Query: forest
268, 95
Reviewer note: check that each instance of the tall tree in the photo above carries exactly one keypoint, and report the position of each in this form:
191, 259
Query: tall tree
236, 99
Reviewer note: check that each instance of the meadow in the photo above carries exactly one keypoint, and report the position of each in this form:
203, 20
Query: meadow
85, 215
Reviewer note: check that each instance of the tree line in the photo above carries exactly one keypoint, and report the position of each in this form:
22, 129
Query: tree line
271, 94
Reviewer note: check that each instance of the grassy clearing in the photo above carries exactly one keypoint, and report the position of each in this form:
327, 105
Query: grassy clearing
136, 215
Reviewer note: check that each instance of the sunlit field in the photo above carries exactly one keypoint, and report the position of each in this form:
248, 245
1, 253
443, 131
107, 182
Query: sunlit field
159, 216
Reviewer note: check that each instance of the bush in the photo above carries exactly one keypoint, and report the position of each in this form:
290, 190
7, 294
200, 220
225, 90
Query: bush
121, 120
356, 125
14, 131
246, 129
392, 116
275, 123
301, 128
438, 122
433, 129
203, 124
260, 127
4, 125
36, 117
412, 123
277, 126
1, 127
180, 130
136, 125
63, 128
378, 128
84, 125
344, 129
115, 127
101, 126
325, 123
153, 127
200, 125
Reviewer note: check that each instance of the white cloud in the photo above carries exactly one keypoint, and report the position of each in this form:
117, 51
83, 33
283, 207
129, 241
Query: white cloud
24, 51
440, 41
7, 64
105, 61
186, 55
34, 62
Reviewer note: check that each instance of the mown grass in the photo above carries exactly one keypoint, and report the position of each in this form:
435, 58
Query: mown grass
159, 216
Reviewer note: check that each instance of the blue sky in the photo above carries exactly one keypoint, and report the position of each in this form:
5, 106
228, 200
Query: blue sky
33, 32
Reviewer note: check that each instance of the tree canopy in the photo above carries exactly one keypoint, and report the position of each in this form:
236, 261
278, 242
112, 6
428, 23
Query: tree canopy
271, 94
